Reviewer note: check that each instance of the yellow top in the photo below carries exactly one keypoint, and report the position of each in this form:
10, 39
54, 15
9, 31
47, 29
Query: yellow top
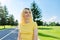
26, 31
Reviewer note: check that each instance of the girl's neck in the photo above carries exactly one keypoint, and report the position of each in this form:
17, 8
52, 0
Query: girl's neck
26, 21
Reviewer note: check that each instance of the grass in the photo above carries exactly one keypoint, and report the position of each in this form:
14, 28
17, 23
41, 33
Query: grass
49, 32
6, 27
44, 32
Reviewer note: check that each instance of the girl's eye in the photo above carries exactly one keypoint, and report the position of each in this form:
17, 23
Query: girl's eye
26, 12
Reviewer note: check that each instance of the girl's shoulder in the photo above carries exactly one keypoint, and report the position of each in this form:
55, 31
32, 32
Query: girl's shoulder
35, 25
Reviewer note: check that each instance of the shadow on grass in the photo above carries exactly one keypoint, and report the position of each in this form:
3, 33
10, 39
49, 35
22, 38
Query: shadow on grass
45, 28
3, 28
45, 35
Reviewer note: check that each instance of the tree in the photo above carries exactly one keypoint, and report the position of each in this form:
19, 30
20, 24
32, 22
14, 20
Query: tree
36, 12
16, 23
45, 24
11, 19
57, 24
39, 23
52, 24
2, 16
1, 13
5, 14
5, 18
8, 21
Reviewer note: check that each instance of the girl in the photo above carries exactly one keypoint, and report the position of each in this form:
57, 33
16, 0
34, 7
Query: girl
27, 28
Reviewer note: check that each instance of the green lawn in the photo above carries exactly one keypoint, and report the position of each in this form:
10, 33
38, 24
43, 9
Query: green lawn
44, 32
49, 32
6, 27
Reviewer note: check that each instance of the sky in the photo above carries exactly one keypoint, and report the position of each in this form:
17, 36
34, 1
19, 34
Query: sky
50, 8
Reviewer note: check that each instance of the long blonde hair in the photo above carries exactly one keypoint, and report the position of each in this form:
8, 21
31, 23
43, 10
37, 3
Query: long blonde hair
23, 19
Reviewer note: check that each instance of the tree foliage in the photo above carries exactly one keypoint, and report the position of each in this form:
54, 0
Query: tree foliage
36, 12
5, 18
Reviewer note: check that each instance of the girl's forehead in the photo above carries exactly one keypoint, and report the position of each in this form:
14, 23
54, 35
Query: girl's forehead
26, 10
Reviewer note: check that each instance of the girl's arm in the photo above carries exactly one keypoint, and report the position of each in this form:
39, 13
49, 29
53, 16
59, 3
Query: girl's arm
19, 38
35, 34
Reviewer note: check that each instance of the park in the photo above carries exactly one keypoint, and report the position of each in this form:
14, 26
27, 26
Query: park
44, 32
45, 14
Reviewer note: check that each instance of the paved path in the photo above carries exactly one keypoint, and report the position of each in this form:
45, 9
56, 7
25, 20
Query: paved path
9, 34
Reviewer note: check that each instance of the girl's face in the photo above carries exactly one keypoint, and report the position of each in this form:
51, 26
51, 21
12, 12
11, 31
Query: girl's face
27, 14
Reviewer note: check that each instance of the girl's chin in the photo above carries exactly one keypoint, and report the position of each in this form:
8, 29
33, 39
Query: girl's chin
27, 17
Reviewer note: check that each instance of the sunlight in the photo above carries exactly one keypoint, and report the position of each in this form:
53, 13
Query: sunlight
3, 1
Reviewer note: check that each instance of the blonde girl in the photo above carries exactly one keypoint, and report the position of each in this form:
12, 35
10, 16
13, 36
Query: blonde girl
27, 27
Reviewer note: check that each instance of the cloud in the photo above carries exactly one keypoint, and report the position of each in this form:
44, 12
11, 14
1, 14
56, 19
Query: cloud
3, 2
53, 18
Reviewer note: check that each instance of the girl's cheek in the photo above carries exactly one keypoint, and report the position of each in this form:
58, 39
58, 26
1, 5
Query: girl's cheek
26, 15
